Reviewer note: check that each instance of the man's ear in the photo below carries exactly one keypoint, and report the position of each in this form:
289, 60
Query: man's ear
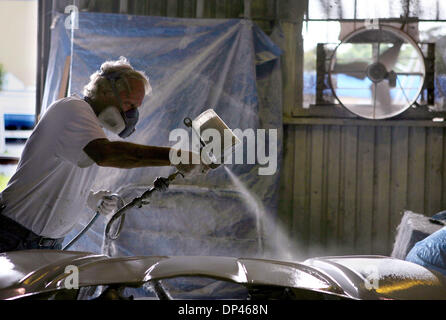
108, 98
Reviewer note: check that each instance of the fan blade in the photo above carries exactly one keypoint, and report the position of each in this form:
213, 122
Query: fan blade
390, 56
355, 69
382, 99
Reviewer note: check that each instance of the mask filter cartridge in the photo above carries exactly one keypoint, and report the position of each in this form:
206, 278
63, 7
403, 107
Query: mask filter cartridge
112, 120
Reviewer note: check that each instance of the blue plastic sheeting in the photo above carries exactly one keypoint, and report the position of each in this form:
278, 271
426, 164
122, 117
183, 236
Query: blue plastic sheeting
430, 252
193, 65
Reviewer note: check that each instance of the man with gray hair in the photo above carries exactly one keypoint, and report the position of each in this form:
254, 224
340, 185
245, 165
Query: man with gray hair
42, 201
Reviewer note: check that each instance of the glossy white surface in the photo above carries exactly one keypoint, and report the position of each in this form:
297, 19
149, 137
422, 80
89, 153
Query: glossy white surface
356, 277
377, 277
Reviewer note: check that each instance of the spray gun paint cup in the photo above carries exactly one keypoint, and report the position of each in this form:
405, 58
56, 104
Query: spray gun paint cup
217, 141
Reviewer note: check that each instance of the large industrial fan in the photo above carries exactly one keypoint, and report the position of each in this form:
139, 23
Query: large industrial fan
377, 73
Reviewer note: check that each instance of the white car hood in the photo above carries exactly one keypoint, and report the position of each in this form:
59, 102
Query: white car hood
24, 273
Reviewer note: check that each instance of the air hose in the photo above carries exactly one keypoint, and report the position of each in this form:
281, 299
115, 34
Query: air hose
82, 232
92, 221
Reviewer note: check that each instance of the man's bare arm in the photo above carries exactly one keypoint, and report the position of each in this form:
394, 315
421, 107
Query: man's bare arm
126, 155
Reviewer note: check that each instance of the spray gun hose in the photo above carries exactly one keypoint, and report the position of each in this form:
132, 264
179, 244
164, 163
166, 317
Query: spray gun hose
81, 233
91, 222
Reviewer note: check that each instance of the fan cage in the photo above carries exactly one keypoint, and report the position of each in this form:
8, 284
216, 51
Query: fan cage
398, 34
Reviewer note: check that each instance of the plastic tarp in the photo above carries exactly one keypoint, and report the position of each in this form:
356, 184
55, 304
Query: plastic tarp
414, 227
228, 65
431, 251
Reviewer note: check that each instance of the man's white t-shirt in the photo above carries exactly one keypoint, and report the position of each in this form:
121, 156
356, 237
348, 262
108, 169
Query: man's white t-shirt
49, 190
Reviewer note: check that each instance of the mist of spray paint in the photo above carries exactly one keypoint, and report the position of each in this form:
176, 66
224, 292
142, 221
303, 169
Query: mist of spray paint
272, 240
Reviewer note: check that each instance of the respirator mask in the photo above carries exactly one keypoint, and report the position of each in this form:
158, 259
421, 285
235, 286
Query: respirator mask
113, 118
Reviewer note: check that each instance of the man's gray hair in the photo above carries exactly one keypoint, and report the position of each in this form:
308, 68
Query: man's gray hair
122, 71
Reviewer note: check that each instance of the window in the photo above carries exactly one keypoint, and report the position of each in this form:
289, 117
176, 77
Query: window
18, 56
327, 23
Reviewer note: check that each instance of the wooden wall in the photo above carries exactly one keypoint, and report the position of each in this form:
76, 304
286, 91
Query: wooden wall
345, 182
347, 185
260, 10
344, 185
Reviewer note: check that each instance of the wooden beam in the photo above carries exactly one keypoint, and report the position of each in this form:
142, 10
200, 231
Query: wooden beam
64, 80
290, 14
338, 111
43, 49
361, 122
289, 67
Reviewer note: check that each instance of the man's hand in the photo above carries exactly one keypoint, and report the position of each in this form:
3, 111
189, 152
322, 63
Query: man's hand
102, 202
161, 183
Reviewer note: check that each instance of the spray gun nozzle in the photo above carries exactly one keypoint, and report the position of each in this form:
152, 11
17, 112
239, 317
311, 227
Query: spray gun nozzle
174, 175
162, 184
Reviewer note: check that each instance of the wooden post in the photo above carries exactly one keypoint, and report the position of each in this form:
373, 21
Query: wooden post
290, 15
296, 187
320, 73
